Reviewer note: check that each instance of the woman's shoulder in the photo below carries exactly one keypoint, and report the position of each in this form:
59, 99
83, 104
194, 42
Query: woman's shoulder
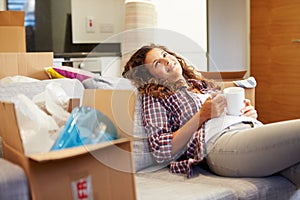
150, 97
205, 84
166, 101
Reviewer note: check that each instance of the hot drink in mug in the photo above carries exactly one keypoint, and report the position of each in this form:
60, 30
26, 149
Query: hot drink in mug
235, 100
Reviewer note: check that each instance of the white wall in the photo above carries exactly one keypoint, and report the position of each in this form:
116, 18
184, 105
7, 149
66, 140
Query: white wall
228, 35
188, 20
108, 19
2, 5
186, 17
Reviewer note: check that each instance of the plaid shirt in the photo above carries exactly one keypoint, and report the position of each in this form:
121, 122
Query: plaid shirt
162, 117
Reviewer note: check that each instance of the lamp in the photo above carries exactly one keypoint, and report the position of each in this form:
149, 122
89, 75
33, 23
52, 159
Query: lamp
139, 15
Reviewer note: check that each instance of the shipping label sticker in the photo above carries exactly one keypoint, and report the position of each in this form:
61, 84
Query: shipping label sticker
82, 189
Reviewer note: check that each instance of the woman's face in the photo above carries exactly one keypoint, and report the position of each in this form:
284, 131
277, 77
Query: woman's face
163, 65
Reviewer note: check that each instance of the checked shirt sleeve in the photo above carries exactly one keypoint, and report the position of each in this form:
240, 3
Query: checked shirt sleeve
195, 153
159, 132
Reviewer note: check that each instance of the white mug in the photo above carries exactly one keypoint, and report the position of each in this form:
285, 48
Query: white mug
235, 100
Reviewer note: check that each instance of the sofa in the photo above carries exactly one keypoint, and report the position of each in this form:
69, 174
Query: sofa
156, 182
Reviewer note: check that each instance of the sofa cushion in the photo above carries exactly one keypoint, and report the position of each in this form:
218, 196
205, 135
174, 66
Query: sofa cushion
162, 184
13, 182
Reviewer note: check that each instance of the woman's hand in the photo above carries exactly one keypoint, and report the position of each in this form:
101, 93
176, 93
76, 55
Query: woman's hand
249, 110
213, 107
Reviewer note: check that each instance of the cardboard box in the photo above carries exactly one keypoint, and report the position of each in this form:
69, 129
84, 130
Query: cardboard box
12, 31
25, 64
12, 39
12, 18
105, 169
117, 105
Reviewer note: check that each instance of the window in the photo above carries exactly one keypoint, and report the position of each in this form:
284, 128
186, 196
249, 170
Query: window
26, 5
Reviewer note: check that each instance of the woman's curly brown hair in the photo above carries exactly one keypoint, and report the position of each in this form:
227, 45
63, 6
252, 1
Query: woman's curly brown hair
136, 71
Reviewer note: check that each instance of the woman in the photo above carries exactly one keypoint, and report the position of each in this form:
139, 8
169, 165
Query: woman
184, 117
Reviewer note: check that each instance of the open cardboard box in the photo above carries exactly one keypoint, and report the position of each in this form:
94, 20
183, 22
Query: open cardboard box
100, 171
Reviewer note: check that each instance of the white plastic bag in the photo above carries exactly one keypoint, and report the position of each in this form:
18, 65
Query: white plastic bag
17, 79
35, 126
55, 101
41, 119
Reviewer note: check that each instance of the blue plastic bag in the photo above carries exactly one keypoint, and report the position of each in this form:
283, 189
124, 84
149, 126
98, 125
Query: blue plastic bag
86, 125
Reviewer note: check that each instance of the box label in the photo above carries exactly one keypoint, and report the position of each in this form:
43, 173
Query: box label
82, 189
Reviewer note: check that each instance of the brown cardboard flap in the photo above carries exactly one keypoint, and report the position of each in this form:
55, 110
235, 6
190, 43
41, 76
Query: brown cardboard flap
117, 105
12, 18
12, 39
9, 130
8, 64
25, 64
75, 151
33, 64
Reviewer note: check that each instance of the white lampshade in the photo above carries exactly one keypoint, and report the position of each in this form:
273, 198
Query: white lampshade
139, 14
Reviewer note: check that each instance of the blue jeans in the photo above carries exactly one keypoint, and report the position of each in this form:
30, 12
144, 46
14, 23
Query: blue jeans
258, 152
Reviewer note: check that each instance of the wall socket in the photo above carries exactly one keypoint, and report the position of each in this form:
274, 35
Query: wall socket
90, 24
